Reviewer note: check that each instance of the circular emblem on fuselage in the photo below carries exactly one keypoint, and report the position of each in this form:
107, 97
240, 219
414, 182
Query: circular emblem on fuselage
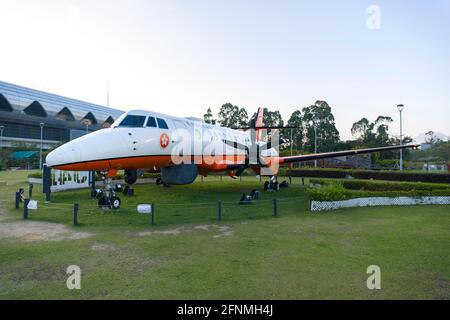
163, 140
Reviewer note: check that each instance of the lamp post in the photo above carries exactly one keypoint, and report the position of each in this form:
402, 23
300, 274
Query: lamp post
315, 140
400, 108
1, 136
40, 151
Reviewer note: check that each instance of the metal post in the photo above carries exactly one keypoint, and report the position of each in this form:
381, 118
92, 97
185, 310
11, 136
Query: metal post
315, 144
93, 192
25, 209
75, 214
275, 209
400, 108
219, 210
47, 195
17, 200
40, 149
30, 190
153, 214
303, 181
47, 182
401, 141
1, 136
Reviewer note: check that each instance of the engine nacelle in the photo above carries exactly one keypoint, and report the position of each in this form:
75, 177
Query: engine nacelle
130, 176
180, 174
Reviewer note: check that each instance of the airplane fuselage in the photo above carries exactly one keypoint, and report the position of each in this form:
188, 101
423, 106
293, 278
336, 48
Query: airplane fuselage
180, 148
144, 139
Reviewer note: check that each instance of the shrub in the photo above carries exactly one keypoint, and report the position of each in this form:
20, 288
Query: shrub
371, 174
392, 186
328, 193
37, 175
336, 193
371, 185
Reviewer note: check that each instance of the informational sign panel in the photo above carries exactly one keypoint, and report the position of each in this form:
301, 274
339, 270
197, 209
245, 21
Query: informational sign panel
66, 180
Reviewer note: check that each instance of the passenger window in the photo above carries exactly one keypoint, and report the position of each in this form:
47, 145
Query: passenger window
151, 122
162, 123
132, 121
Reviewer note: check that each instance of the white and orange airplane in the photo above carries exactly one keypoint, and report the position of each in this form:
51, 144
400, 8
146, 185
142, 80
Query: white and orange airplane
179, 148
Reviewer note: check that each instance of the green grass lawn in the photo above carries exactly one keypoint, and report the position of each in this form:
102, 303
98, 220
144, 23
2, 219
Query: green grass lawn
250, 254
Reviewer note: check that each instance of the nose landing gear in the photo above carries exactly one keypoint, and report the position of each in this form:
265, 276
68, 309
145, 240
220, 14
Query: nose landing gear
108, 198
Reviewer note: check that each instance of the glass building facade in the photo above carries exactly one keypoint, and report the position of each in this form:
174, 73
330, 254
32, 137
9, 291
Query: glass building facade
22, 110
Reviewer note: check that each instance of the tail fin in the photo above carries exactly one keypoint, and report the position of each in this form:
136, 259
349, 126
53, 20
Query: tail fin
259, 118
259, 122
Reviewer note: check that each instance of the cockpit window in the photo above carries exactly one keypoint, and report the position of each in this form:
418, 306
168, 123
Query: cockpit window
151, 122
132, 121
162, 123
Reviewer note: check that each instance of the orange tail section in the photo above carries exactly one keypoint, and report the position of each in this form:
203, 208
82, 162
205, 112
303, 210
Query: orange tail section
259, 123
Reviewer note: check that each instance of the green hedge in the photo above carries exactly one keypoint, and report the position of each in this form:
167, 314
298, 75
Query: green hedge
371, 174
121, 176
371, 185
37, 175
337, 192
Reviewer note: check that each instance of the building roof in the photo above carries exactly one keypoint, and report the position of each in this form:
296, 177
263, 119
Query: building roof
15, 98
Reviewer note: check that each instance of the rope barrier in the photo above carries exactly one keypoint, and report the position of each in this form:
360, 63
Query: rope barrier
166, 212
168, 205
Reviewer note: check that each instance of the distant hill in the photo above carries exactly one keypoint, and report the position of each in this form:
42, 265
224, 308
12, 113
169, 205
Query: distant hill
421, 138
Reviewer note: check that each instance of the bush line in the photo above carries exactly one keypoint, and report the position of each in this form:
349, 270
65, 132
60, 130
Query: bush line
370, 174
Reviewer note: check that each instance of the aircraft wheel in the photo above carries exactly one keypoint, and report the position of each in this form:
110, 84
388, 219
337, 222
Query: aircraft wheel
276, 186
115, 202
266, 185
102, 201
158, 181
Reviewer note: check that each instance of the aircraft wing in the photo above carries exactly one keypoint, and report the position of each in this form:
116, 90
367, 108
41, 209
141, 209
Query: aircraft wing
317, 156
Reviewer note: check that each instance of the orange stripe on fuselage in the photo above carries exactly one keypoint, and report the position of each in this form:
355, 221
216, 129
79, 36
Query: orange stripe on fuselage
209, 163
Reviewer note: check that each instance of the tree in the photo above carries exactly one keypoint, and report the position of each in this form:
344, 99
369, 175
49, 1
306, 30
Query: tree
296, 120
376, 134
231, 116
208, 117
382, 134
363, 130
395, 141
372, 134
319, 115
271, 119
431, 138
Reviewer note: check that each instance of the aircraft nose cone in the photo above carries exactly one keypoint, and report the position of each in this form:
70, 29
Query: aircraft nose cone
63, 155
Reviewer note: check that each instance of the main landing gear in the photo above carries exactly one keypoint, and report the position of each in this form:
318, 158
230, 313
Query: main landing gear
107, 198
159, 182
273, 184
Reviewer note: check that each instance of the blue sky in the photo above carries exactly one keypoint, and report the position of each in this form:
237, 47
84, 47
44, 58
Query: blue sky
181, 57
